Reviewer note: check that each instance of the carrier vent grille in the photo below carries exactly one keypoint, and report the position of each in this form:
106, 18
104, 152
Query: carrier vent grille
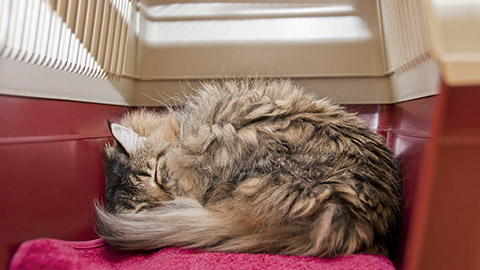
82, 36
406, 34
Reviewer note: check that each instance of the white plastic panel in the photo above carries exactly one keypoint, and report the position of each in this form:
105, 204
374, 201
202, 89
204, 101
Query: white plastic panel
456, 39
24, 79
405, 33
354, 90
353, 51
85, 37
209, 40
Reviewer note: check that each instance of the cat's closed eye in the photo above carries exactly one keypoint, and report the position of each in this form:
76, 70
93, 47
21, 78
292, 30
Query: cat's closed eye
143, 173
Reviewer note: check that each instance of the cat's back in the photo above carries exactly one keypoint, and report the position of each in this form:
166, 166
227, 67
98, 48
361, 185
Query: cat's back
243, 103
282, 171
238, 129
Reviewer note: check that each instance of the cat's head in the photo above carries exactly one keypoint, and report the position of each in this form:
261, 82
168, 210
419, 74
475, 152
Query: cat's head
134, 163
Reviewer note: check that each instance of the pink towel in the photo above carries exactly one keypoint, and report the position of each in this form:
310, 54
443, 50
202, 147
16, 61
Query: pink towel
97, 254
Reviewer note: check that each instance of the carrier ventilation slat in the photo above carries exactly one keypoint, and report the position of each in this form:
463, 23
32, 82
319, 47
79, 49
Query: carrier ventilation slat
405, 31
86, 37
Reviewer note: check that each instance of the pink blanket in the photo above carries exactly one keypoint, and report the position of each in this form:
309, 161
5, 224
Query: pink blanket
97, 254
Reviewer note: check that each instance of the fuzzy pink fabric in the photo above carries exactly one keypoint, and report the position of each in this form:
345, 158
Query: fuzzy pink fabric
97, 254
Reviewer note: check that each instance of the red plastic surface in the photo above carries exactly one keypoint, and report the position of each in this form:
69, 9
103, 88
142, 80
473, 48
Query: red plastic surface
50, 168
28, 119
445, 230
408, 136
376, 116
51, 153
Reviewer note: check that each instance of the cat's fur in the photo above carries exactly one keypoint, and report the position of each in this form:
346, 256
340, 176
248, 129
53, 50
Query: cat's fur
250, 166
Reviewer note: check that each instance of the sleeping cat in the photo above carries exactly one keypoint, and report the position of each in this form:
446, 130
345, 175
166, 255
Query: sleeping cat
250, 166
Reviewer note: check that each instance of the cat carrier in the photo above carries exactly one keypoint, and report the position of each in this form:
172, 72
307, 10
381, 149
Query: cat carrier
409, 68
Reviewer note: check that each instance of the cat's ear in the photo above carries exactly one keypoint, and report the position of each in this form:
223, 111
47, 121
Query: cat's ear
127, 138
171, 130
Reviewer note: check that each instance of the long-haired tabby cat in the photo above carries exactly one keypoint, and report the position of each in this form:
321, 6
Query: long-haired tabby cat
250, 166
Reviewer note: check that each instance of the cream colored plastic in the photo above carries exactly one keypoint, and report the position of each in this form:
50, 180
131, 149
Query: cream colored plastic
24, 79
340, 39
353, 51
82, 37
455, 28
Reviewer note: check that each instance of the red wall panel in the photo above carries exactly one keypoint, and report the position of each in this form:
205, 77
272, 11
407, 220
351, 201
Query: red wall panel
24, 119
446, 219
50, 168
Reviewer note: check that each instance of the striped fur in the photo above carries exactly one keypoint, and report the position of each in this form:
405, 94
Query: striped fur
252, 166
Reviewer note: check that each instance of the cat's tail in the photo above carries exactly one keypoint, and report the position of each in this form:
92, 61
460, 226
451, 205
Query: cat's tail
181, 222
185, 222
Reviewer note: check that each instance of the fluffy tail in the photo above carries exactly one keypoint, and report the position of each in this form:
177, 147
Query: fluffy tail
185, 222
181, 222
